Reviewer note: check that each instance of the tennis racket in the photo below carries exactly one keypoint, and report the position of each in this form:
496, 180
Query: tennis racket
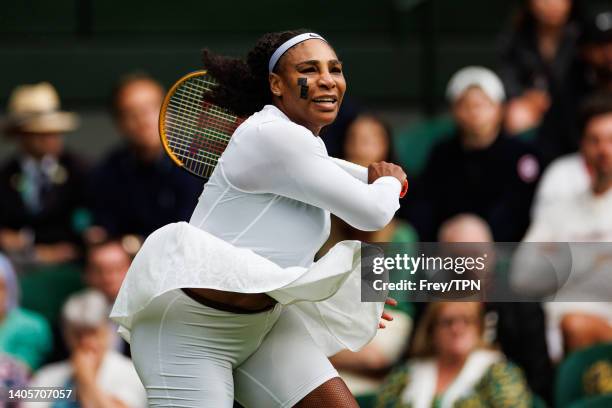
195, 132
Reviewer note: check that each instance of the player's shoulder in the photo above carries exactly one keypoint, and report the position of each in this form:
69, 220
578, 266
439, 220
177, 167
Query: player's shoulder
271, 128
272, 118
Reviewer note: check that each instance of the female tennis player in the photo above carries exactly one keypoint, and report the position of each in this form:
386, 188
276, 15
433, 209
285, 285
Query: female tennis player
231, 328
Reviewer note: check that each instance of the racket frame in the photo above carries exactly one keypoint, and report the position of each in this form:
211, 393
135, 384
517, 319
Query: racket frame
162, 118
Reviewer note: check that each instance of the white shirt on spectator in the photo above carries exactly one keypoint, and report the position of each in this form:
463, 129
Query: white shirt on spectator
566, 177
116, 376
584, 217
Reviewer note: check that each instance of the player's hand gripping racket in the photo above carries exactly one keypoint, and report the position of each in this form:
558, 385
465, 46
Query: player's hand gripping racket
194, 131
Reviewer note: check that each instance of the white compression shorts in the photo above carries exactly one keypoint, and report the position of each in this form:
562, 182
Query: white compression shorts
285, 368
191, 355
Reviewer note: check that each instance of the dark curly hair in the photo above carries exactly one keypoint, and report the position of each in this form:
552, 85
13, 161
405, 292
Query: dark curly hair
243, 84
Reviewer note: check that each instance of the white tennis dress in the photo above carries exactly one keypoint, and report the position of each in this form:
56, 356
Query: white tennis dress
261, 218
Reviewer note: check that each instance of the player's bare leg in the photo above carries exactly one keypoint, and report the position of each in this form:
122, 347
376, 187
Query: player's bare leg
332, 393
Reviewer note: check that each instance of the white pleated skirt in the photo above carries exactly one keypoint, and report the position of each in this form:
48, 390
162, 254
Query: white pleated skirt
326, 296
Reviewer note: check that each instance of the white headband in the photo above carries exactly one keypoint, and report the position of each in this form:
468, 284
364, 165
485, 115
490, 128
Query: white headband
288, 44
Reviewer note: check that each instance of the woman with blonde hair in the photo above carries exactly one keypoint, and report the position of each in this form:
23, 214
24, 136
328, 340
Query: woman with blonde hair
453, 367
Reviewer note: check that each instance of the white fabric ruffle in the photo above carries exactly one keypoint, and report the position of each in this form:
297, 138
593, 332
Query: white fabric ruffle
327, 296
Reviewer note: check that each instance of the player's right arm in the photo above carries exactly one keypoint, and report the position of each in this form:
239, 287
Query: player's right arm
287, 160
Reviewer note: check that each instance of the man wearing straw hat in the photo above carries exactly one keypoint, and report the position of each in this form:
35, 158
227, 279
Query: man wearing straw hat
41, 184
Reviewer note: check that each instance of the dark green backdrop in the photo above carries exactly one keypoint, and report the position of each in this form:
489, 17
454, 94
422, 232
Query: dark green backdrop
399, 51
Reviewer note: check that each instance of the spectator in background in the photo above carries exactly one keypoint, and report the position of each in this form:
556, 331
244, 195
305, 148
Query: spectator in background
13, 375
107, 263
452, 367
42, 184
24, 335
596, 47
536, 60
369, 140
479, 170
563, 179
585, 216
99, 376
559, 133
137, 189
106, 266
568, 175
519, 329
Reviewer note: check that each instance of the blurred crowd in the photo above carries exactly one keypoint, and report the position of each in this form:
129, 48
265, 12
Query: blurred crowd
523, 155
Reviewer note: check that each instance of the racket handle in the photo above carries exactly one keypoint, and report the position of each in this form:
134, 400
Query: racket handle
404, 189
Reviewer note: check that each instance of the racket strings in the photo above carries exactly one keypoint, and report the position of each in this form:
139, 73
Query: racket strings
184, 103
197, 131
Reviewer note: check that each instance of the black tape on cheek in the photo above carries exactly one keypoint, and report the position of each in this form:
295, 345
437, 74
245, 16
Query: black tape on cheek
304, 92
302, 82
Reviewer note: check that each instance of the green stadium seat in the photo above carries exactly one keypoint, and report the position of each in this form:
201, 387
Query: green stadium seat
568, 384
600, 401
366, 401
45, 288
